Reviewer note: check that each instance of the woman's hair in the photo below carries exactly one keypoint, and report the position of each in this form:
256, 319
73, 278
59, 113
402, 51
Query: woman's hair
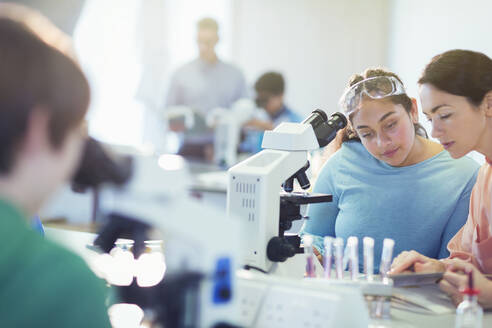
460, 72
36, 74
402, 99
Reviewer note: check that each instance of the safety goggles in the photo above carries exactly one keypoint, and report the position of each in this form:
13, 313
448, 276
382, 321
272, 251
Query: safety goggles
374, 87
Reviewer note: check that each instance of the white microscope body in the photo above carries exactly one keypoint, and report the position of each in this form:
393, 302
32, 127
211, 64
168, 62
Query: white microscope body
254, 186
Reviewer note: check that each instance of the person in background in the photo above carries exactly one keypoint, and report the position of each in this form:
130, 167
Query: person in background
387, 179
270, 89
202, 85
44, 97
456, 97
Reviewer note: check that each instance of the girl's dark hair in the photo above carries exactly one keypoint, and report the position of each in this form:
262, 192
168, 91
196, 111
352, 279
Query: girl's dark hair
402, 99
460, 72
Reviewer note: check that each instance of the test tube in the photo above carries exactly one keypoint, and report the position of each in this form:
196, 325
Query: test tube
327, 259
368, 258
338, 246
308, 250
353, 249
386, 257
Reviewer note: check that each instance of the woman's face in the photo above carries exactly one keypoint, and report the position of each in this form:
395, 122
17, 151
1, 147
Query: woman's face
456, 123
386, 130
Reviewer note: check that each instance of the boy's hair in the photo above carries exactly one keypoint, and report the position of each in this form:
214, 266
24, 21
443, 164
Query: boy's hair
36, 75
271, 82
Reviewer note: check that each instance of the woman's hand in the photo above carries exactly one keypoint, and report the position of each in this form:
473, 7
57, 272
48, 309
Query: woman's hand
455, 280
416, 262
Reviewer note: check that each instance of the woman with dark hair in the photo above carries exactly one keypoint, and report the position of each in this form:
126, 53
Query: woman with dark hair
456, 96
387, 179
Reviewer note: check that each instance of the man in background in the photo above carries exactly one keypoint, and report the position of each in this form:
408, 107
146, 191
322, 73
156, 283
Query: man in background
202, 85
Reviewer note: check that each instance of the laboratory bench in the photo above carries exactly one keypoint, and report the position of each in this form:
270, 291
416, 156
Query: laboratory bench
440, 314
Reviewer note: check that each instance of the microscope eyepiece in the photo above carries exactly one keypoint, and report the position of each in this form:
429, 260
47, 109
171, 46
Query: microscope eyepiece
316, 118
325, 128
98, 166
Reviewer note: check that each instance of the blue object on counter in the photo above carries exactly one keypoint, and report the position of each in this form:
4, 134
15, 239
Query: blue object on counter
37, 225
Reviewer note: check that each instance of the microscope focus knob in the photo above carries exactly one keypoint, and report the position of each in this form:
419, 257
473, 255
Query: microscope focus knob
279, 249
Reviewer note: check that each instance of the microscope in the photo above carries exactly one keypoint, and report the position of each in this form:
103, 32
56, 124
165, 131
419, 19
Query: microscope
139, 196
227, 124
254, 186
202, 284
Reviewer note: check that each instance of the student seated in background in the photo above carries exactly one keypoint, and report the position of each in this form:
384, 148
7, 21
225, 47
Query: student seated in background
456, 96
387, 179
270, 88
44, 97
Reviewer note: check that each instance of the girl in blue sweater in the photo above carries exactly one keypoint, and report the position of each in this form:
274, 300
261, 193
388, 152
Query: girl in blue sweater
387, 179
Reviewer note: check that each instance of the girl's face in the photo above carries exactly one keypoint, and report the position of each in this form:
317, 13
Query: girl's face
458, 124
386, 130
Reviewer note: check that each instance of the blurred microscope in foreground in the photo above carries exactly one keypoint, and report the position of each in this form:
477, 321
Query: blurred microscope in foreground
139, 193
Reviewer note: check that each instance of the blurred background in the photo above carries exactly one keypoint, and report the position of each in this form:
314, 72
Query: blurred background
130, 48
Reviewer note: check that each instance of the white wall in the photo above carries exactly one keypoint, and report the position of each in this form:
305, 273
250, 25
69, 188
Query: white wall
316, 44
421, 29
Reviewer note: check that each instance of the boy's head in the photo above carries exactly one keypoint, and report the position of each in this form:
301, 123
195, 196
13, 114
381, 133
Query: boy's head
270, 92
44, 97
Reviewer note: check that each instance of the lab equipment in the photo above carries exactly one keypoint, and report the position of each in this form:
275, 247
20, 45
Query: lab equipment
415, 279
180, 117
377, 292
469, 313
374, 87
368, 258
227, 124
254, 186
308, 249
278, 302
198, 289
338, 246
386, 257
353, 253
327, 257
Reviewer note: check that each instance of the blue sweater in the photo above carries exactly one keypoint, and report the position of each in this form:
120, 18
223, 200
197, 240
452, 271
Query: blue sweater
254, 138
420, 206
